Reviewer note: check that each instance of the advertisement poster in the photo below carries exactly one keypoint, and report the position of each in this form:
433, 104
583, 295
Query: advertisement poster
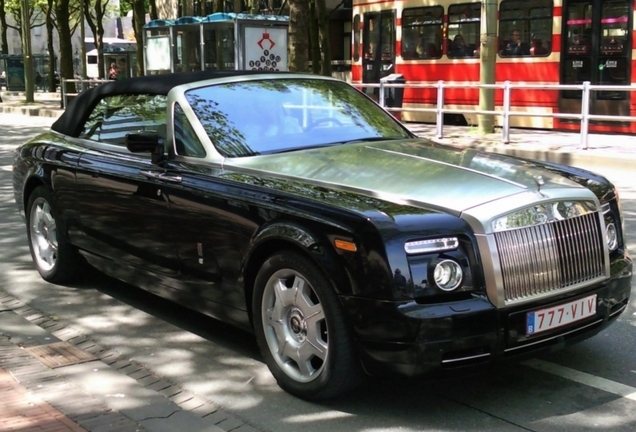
265, 48
158, 53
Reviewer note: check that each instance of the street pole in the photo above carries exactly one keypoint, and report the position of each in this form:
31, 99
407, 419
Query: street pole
487, 56
26, 53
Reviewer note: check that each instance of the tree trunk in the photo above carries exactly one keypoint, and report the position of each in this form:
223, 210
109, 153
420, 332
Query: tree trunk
4, 45
27, 54
487, 56
253, 6
314, 38
139, 19
66, 47
325, 43
50, 47
154, 13
298, 58
97, 28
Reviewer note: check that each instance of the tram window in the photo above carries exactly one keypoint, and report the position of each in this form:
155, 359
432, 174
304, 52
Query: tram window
525, 28
613, 64
422, 33
387, 37
356, 38
371, 37
464, 27
614, 20
578, 29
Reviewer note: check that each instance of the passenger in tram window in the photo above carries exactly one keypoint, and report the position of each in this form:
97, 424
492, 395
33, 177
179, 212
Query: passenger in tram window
516, 47
459, 48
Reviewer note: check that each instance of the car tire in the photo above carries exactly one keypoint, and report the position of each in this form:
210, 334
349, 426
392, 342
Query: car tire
301, 329
54, 257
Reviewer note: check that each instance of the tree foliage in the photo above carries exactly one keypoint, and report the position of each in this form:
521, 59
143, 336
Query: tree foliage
35, 13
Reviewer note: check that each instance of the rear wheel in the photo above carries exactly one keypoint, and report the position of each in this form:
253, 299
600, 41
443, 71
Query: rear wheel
301, 329
55, 259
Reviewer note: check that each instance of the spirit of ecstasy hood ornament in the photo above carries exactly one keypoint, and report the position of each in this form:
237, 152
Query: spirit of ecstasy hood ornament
540, 182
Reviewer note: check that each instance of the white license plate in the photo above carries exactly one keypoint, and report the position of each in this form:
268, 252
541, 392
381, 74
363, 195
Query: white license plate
557, 316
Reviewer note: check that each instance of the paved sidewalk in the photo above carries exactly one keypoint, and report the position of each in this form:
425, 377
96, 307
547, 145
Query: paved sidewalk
55, 379
22, 411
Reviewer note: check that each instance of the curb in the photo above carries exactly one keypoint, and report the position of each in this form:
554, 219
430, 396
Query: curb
193, 409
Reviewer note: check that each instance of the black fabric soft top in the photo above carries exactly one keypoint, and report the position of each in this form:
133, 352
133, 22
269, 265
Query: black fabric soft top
72, 120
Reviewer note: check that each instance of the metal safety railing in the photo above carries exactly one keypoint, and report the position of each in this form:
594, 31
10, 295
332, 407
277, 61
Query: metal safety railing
506, 113
80, 86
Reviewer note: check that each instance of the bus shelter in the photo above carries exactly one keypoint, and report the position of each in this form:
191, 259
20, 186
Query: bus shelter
220, 41
124, 58
13, 65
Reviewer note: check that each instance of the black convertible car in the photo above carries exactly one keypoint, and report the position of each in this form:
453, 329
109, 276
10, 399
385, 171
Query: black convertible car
294, 206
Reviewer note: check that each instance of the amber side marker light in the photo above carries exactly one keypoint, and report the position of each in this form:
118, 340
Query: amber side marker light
345, 245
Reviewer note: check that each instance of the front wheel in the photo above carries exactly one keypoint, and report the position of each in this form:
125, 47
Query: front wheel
301, 329
55, 259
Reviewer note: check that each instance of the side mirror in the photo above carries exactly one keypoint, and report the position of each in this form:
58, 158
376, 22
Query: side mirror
147, 143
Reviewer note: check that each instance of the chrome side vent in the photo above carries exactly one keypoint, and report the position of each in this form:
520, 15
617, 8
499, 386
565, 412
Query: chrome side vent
539, 259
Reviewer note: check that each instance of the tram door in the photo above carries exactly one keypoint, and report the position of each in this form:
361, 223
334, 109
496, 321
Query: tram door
597, 48
378, 45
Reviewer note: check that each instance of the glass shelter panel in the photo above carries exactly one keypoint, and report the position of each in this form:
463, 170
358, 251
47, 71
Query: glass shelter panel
219, 47
188, 48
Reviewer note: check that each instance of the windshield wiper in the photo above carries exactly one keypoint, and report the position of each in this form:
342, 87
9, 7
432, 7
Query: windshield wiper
335, 143
369, 139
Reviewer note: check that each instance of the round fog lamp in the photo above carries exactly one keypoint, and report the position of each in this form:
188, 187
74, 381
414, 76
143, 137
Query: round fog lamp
612, 236
447, 275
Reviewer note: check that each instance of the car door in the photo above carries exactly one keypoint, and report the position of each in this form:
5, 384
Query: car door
123, 209
211, 227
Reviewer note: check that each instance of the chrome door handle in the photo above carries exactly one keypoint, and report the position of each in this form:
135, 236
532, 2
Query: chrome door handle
161, 176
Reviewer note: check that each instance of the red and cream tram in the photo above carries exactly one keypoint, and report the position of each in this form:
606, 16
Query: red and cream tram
539, 42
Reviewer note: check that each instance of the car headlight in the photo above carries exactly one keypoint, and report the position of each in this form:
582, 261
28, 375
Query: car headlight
611, 234
447, 275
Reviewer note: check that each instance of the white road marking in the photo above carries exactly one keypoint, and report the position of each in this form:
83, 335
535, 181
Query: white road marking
583, 378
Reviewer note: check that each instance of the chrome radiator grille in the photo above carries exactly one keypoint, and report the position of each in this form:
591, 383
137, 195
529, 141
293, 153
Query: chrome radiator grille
542, 258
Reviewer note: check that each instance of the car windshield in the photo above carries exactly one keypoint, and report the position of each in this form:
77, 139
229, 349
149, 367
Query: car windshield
270, 116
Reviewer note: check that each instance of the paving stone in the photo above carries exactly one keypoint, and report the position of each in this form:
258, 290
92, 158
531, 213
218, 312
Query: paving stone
244, 428
171, 391
181, 397
141, 373
230, 424
131, 368
205, 410
159, 385
193, 403
149, 380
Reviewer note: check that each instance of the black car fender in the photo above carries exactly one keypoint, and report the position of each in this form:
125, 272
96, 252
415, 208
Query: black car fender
281, 235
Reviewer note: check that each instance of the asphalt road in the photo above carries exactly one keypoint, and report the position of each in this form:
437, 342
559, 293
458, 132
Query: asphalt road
591, 386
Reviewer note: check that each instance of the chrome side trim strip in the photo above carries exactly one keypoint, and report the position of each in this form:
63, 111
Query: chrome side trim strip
465, 358
618, 311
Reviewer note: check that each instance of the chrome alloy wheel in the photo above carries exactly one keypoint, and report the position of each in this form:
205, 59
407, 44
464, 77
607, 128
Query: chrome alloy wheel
294, 325
43, 235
